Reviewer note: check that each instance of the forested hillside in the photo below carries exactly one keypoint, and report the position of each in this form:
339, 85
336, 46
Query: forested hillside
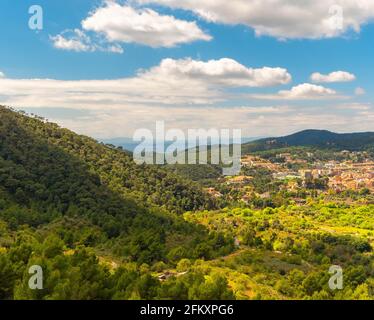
77, 193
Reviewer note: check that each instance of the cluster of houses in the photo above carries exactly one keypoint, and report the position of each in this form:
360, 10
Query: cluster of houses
350, 174
341, 175
353, 176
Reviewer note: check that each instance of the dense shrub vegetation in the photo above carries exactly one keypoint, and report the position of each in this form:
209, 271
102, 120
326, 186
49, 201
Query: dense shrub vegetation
102, 227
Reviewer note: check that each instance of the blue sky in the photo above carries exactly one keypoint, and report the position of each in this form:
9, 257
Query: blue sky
198, 67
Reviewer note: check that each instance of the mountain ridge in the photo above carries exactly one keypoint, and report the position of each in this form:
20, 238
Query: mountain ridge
357, 141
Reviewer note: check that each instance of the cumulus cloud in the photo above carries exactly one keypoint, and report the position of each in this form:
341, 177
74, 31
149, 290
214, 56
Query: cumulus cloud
305, 91
172, 82
227, 72
77, 40
285, 19
337, 76
122, 23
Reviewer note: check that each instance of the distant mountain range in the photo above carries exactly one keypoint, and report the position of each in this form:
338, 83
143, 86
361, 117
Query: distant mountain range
316, 138
308, 138
129, 144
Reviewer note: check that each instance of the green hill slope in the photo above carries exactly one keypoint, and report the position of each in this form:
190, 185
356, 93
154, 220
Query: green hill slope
49, 174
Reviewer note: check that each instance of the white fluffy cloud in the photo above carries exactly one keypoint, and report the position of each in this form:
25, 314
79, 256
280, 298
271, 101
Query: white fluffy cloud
305, 91
122, 23
337, 76
313, 19
227, 72
172, 82
77, 40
